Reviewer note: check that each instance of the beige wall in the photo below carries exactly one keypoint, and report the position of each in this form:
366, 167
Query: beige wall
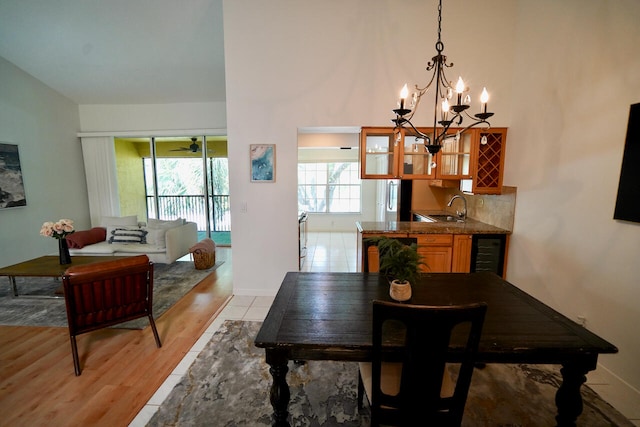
43, 124
577, 65
561, 75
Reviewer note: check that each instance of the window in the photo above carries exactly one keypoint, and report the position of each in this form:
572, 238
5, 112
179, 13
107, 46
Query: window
329, 187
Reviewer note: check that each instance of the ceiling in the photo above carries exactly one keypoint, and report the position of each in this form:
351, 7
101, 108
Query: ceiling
118, 51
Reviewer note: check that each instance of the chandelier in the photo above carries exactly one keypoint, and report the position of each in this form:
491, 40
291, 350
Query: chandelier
447, 110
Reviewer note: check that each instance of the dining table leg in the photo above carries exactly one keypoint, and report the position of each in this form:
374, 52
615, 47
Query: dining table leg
279, 393
568, 396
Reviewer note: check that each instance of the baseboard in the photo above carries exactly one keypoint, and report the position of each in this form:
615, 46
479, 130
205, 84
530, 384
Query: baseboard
616, 391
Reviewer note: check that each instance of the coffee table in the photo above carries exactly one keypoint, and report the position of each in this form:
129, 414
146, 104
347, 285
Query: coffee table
46, 266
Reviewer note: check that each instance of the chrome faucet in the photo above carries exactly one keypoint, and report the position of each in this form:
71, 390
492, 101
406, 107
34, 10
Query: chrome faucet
462, 214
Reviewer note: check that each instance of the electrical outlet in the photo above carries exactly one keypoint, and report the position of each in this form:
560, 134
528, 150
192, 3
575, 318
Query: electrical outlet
243, 207
582, 321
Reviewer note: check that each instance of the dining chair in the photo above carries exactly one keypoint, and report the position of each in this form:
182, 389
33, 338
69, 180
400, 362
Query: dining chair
422, 362
107, 293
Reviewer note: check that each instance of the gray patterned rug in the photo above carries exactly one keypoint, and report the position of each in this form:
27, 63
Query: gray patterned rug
170, 283
228, 385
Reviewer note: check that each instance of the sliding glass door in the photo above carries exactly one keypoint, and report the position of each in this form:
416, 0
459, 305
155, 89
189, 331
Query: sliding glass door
176, 177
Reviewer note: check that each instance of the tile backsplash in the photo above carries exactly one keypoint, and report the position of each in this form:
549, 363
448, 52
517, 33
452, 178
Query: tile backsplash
494, 209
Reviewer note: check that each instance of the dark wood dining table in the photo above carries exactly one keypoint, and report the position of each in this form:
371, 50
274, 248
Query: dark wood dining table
327, 316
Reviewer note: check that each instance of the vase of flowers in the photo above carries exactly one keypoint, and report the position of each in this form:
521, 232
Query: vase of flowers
59, 230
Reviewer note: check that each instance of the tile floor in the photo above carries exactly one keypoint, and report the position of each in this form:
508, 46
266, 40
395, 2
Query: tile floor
336, 251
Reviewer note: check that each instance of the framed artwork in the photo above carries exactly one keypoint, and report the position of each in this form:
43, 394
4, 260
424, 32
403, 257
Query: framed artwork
11, 185
263, 162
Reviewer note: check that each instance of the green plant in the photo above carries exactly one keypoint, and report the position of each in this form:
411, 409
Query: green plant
397, 260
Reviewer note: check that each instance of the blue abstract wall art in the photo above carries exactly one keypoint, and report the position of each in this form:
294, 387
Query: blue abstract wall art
263, 162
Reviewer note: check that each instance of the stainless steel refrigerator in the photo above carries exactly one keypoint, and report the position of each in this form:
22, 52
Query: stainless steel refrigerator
393, 200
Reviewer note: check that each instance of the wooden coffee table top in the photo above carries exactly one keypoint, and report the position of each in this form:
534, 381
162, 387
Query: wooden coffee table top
49, 266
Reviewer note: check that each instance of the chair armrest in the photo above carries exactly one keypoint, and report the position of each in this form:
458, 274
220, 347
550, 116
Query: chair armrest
180, 239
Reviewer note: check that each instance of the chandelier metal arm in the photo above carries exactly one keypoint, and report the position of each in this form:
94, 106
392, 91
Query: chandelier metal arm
420, 135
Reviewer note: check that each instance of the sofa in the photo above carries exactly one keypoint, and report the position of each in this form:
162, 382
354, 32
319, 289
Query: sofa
162, 241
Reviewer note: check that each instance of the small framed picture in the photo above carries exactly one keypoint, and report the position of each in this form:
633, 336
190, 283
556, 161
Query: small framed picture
263, 162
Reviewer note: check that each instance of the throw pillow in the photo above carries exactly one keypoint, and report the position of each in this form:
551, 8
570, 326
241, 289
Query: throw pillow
80, 239
156, 237
157, 223
129, 221
126, 235
157, 229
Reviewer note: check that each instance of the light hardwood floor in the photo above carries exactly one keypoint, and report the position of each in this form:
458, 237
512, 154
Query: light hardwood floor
121, 369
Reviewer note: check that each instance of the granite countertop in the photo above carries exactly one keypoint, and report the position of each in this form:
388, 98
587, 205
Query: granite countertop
470, 226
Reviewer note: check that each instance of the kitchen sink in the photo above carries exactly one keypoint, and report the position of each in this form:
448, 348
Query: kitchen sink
444, 218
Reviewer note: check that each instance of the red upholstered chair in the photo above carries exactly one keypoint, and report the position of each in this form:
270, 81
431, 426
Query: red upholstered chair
406, 382
103, 294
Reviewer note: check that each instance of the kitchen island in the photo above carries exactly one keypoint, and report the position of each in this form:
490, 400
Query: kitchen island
445, 246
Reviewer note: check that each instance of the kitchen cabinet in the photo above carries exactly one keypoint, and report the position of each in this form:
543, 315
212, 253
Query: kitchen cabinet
454, 158
388, 153
436, 251
444, 253
473, 161
487, 162
462, 244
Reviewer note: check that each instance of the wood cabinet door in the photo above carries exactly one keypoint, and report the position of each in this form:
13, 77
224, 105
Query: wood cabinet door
436, 258
415, 161
488, 161
454, 158
379, 151
461, 262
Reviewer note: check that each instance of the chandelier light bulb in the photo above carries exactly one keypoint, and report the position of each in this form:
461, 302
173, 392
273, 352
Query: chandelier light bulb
445, 109
484, 98
403, 95
459, 89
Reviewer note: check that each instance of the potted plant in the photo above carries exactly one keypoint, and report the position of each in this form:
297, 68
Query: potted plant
400, 263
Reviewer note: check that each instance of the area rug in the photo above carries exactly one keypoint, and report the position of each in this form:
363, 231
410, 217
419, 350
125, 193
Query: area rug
170, 283
228, 385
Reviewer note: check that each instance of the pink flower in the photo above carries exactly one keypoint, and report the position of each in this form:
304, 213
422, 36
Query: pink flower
58, 229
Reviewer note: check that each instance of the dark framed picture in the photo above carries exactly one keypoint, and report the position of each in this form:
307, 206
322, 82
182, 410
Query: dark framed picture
263, 162
11, 184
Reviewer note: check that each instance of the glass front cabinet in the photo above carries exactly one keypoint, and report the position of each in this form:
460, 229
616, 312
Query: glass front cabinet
475, 159
386, 153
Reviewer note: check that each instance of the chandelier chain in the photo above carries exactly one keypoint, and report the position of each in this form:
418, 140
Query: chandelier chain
439, 44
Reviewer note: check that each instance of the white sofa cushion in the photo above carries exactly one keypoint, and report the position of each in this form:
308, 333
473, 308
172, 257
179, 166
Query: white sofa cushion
130, 220
157, 230
138, 249
100, 248
105, 248
159, 223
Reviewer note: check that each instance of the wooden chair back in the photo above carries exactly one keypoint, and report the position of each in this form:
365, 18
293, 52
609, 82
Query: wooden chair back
423, 339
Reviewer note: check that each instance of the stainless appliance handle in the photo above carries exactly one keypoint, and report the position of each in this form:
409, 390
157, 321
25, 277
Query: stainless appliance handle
391, 192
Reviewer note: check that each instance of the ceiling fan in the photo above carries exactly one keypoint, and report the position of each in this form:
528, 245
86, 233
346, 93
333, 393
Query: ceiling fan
193, 147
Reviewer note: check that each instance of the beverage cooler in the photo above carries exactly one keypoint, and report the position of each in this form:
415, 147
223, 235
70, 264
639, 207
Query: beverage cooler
487, 253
